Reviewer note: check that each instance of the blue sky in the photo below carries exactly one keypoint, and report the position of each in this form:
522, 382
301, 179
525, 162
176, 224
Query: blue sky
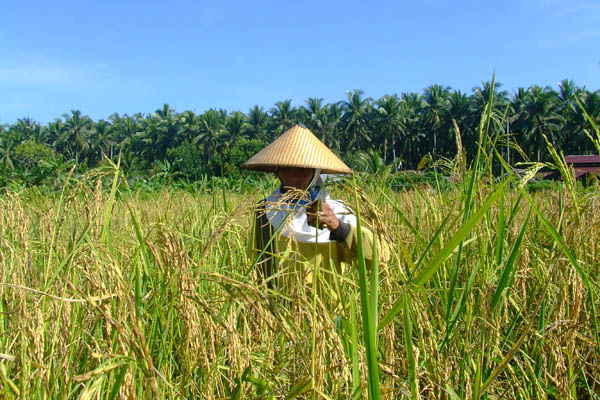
134, 56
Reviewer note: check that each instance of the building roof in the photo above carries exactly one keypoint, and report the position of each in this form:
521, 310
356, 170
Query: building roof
587, 169
580, 173
592, 159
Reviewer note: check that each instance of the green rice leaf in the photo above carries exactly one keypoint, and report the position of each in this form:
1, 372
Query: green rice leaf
440, 257
508, 270
408, 342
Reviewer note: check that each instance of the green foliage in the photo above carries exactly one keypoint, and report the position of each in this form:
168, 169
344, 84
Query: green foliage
353, 160
409, 180
187, 159
371, 162
36, 163
239, 154
375, 135
537, 186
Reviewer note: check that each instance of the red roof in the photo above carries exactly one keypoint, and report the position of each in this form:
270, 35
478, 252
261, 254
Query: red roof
587, 169
593, 159
580, 172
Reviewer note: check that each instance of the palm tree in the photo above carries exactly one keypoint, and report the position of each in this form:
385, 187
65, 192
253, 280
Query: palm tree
572, 134
437, 112
211, 130
283, 116
130, 138
459, 111
301, 116
482, 96
168, 125
76, 130
40, 134
414, 109
390, 123
234, 128
54, 132
148, 140
28, 129
93, 147
542, 117
256, 123
567, 92
190, 126
517, 114
591, 104
355, 111
123, 126
319, 118
312, 110
9, 139
333, 130
104, 141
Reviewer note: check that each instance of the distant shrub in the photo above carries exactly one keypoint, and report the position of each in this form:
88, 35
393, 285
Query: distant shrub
238, 154
536, 186
408, 180
36, 163
187, 160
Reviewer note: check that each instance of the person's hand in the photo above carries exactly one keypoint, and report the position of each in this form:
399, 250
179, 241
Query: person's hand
326, 216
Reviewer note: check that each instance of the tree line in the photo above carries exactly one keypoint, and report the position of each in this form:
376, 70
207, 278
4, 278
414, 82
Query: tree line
400, 129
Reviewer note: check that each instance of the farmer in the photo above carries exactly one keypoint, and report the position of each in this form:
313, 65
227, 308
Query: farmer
309, 228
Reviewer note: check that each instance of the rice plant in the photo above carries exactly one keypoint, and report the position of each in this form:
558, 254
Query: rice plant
488, 291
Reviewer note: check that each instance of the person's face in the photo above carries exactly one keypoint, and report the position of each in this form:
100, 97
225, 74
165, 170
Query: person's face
295, 177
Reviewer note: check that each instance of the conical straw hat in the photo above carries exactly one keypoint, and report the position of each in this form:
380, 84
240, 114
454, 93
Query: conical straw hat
297, 147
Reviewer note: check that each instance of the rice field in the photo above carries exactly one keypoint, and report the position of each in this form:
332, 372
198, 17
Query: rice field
485, 290
490, 292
